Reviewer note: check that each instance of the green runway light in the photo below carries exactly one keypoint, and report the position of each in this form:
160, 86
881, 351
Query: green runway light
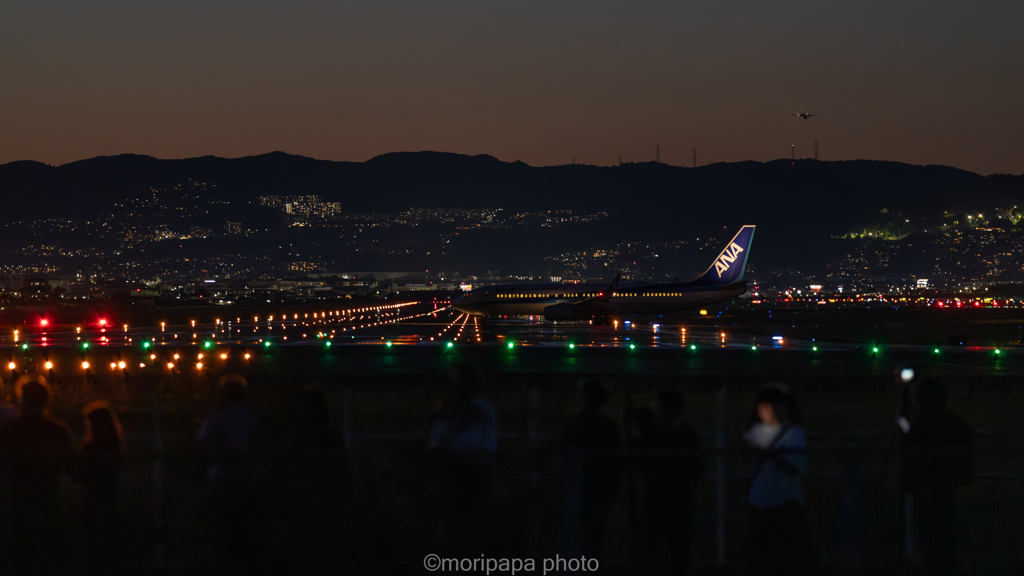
998, 351
936, 350
85, 345
388, 344
875, 349
571, 346
511, 345
693, 346
632, 346
450, 344
328, 343
24, 346
207, 344
267, 344
814, 348
146, 344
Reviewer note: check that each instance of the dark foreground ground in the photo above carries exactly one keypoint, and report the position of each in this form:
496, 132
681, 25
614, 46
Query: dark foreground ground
384, 402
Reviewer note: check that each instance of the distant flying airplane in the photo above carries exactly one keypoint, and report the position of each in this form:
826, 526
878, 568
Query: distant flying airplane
722, 281
803, 115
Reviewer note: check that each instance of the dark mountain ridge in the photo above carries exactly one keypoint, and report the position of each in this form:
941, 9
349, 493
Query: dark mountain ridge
797, 204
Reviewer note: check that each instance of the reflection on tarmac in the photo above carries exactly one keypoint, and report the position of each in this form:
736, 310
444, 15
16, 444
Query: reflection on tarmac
420, 324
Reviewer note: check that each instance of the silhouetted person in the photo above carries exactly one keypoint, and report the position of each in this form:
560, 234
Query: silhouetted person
778, 539
593, 467
670, 469
234, 440
39, 450
938, 460
321, 482
463, 446
8, 413
99, 473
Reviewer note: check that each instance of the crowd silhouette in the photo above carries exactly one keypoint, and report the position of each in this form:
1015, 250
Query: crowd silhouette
282, 497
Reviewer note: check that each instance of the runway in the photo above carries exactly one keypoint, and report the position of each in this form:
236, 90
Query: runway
421, 337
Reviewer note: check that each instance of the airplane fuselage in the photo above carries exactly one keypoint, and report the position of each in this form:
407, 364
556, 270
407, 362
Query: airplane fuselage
723, 280
534, 299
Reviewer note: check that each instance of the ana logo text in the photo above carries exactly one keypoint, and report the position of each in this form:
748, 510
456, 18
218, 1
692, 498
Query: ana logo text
727, 258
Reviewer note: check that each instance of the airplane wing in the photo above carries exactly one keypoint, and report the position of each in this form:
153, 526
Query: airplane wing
585, 308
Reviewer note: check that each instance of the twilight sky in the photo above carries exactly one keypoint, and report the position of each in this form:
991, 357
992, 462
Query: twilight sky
924, 82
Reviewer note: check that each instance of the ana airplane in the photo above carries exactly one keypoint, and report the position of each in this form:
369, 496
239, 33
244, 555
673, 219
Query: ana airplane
803, 115
722, 281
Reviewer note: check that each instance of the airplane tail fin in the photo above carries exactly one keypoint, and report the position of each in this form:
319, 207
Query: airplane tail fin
730, 266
